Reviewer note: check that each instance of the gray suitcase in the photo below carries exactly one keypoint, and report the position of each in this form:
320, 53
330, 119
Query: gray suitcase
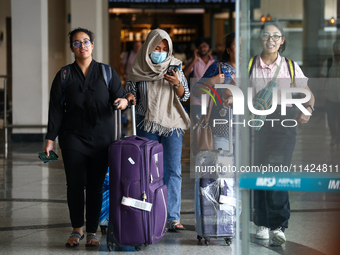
215, 193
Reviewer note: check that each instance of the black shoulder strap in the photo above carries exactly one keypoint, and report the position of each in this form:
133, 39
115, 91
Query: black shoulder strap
65, 71
329, 65
106, 73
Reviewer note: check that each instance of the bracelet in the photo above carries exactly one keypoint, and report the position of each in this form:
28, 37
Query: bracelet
178, 85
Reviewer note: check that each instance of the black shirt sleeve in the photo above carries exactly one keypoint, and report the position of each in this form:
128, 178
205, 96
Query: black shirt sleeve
56, 109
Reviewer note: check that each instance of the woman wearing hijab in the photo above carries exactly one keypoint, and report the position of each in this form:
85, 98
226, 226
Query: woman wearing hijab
160, 114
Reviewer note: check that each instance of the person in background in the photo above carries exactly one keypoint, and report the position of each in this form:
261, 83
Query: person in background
198, 64
331, 69
274, 145
160, 114
128, 58
211, 77
82, 118
195, 68
124, 68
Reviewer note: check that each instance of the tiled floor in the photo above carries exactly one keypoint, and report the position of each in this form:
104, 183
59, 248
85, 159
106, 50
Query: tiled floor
34, 217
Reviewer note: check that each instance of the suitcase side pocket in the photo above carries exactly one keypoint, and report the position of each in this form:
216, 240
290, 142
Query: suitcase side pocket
159, 213
156, 163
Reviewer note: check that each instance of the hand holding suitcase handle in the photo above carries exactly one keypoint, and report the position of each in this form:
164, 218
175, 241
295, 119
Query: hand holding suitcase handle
131, 98
117, 116
134, 130
121, 103
115, 106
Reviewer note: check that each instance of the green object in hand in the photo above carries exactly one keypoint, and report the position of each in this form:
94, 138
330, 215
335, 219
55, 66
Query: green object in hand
42, 155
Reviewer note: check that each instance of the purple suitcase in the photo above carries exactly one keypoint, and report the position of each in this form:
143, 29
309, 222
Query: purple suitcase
136, 173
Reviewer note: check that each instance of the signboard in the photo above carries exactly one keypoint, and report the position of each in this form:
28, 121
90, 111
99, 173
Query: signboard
292, 183
172, 3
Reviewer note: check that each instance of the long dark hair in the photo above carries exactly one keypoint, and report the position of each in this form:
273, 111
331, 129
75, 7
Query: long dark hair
279, 27
77, 30
228, 42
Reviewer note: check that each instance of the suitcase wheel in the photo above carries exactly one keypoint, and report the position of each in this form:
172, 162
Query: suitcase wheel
227, 241
138, 248
207, 241
110, 246
103, 229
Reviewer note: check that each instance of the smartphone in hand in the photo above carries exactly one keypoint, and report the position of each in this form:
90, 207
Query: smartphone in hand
43, 157
171, 67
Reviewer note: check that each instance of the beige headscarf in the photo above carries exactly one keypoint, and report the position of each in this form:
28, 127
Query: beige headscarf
165, 112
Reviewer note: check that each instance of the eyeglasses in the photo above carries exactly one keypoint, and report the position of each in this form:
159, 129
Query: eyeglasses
77, 44
274, 37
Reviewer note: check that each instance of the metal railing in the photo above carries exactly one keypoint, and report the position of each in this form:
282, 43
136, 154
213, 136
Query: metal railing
5, 125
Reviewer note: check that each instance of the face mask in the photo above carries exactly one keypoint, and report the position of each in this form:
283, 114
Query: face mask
158, 57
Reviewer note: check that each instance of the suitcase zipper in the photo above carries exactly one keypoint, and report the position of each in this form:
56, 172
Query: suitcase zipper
144, 197
156, 162
146, 193
143, 193
166, 211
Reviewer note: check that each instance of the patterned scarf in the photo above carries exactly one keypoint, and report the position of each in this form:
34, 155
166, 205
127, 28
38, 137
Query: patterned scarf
165, 113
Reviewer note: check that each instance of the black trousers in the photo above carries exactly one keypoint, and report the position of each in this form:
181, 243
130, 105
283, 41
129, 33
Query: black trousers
83, 172
274, 146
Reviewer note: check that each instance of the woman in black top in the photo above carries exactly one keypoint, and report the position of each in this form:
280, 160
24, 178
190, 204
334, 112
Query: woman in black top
80, 114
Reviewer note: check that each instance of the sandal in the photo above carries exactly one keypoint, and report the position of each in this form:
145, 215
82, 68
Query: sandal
89, 241
175, 225
75, 242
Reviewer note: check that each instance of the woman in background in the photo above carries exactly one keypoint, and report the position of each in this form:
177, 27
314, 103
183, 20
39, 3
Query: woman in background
219, 73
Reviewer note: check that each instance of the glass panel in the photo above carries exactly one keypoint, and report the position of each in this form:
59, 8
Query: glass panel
289, 163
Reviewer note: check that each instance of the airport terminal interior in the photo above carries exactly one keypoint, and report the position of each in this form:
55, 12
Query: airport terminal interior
34, 216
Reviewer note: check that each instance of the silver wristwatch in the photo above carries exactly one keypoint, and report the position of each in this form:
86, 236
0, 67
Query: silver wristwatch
177, 86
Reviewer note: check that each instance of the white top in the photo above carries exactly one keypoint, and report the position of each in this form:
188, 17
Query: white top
262, 74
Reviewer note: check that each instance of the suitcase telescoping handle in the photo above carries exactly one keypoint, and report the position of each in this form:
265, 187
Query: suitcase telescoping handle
133, 113
118, 122
231, 131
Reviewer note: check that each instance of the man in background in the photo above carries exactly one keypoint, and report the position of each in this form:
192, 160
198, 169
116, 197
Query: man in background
195, 68
202, 59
